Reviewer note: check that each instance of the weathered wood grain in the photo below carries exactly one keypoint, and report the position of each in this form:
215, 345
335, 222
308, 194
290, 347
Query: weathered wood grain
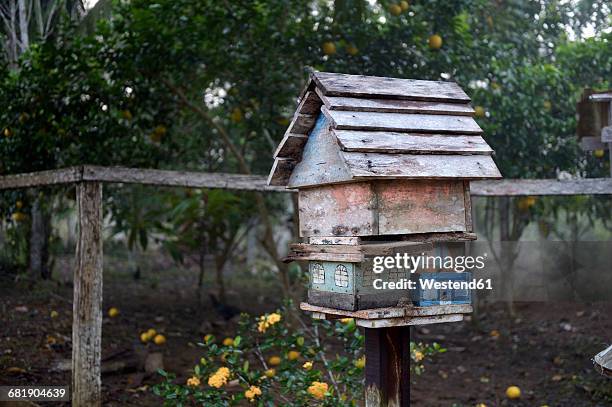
410, 143
370, 249
524, 187
310, 104
468, 206
387, 371
41, 178
177, 178
334, 84
301, 123
603, 361
606, 134
391, 312
87, 304
592, 143
338, 210
408, 207
439, 166
407, 123
334, 240
324, 256
396, 106
408, 321
321, 160
291, 146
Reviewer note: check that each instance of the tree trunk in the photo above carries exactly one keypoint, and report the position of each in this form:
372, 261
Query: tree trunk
39, 242
24, 40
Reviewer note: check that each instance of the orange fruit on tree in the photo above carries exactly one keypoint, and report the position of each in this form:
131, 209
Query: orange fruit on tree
479, 111
547, 105
395, 9
159, 339
18, 204
599, 153
18, 216
113, 312
352, 49
7, 132
435, 42
404, 5
329, 48
293, 355
228, 342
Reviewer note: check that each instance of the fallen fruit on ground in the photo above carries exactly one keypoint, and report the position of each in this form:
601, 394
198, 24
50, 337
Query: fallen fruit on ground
513, 392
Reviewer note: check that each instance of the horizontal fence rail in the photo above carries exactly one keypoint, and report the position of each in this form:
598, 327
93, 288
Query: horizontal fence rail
241, 182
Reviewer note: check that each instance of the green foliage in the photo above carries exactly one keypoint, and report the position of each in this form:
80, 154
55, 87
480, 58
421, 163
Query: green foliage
304, 357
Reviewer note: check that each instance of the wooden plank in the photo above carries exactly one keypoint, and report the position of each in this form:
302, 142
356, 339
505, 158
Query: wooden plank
606, 134
42, 178
337, 240
310, 104
391, 312
301, 123
291, 146
524, 187
375, 165
592, 143
410, 143
335, 84
177, 178
601, 97
387, 370
603, 361
338, 210
396, 106
408, 321
321, 162
323, 256
371, 249
87, 305
281, 171
408, 207
407, 123
467, 199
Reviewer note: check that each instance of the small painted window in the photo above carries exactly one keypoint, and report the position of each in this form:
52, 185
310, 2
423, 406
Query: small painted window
318, 273
341, 276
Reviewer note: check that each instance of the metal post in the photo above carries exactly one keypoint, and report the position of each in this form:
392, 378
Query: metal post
387, 367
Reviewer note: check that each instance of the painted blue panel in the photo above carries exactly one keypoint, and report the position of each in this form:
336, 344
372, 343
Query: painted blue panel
425, 297
333, 279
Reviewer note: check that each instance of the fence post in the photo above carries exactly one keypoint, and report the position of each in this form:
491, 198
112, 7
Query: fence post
387, 371
87, 304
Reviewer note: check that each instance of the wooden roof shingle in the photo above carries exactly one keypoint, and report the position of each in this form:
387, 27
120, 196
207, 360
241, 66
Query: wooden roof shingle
353, 127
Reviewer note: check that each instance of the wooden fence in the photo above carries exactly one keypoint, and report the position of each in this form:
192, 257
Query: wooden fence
87, 303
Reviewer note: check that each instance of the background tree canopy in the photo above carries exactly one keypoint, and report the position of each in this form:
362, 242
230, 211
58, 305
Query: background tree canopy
209, 85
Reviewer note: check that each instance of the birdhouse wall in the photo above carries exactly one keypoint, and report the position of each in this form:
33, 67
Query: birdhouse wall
385, 207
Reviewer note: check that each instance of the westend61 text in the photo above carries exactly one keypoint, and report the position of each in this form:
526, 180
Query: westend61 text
430, 283
423, 261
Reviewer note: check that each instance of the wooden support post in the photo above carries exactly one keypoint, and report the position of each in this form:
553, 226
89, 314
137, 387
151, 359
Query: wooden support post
87, 304
387, 367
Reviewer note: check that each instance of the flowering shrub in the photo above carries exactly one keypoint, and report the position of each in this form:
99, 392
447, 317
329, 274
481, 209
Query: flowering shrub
277, 359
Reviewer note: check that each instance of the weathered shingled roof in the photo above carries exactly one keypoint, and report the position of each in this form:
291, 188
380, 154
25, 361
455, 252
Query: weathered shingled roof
380, 128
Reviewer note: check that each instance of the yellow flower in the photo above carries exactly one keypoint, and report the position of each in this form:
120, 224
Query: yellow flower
307, 365
360, 363
252, 392
193, 382
266, 321
274, 361
293, 355
418, 356
318, 390
219, 378
270, 373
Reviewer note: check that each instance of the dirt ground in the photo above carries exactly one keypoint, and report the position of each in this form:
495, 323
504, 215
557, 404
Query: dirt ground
545, 349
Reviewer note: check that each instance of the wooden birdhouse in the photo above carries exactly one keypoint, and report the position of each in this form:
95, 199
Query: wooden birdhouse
377, 162
594, 128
